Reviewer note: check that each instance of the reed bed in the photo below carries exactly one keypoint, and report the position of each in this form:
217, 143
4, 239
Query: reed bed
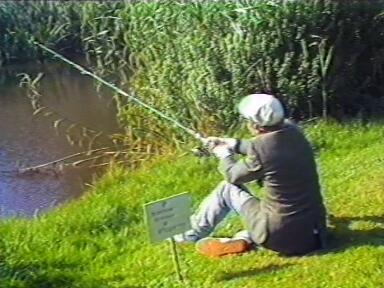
195, 60
57, 25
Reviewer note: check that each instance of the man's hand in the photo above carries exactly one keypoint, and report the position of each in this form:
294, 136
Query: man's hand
221, 147
222, 151
212, 142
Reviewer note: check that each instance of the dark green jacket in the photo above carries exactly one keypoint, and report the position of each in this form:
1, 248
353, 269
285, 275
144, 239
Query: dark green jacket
291, 218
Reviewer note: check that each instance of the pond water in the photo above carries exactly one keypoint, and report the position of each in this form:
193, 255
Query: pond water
28, 140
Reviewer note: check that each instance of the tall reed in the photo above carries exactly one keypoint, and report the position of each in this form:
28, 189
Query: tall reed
194, 60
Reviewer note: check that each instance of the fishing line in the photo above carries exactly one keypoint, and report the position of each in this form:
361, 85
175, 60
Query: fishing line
120, 91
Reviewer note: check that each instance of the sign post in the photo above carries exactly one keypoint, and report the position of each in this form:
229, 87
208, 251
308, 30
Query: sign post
166, 218
176, 261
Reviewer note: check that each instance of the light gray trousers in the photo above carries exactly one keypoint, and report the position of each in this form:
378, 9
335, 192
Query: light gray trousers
226, 197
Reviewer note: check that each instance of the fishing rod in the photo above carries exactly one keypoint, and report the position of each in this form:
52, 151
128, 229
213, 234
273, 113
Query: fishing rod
84, 71
197, 151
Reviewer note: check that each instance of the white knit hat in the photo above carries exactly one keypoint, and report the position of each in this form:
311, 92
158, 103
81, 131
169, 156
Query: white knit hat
262, 109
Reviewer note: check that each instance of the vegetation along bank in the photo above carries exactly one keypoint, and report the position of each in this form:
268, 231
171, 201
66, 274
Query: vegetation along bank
321, 57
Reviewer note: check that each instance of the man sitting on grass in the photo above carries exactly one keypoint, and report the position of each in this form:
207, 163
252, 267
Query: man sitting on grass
291, 218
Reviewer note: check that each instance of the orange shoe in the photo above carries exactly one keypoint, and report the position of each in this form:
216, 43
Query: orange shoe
217, 247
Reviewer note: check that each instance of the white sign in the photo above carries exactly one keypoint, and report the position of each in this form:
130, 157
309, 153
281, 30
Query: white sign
168, 217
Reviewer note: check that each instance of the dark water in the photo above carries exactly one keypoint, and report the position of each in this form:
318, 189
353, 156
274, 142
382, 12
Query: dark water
27, 140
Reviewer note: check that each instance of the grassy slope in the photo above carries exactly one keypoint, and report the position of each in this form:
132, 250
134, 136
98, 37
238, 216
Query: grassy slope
100, 241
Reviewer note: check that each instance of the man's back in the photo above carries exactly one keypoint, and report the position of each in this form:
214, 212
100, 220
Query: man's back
290, 175
293, 204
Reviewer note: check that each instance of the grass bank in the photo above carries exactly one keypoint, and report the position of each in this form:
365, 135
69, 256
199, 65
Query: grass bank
100, 240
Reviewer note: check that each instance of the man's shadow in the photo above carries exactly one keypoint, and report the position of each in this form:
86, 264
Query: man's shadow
344, 233
347, 232
231, 275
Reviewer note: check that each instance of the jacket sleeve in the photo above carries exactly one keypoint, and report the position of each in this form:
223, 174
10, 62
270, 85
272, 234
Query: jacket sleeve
242, 146
241, 171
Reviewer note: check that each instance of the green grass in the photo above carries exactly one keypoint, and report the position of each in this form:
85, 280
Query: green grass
101, 241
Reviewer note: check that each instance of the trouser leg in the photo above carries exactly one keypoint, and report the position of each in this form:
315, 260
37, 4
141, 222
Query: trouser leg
217, 205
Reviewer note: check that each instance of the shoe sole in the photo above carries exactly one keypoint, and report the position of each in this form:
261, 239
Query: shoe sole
215, 248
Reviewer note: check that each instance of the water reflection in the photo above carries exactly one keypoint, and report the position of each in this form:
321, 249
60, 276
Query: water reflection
30, 140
